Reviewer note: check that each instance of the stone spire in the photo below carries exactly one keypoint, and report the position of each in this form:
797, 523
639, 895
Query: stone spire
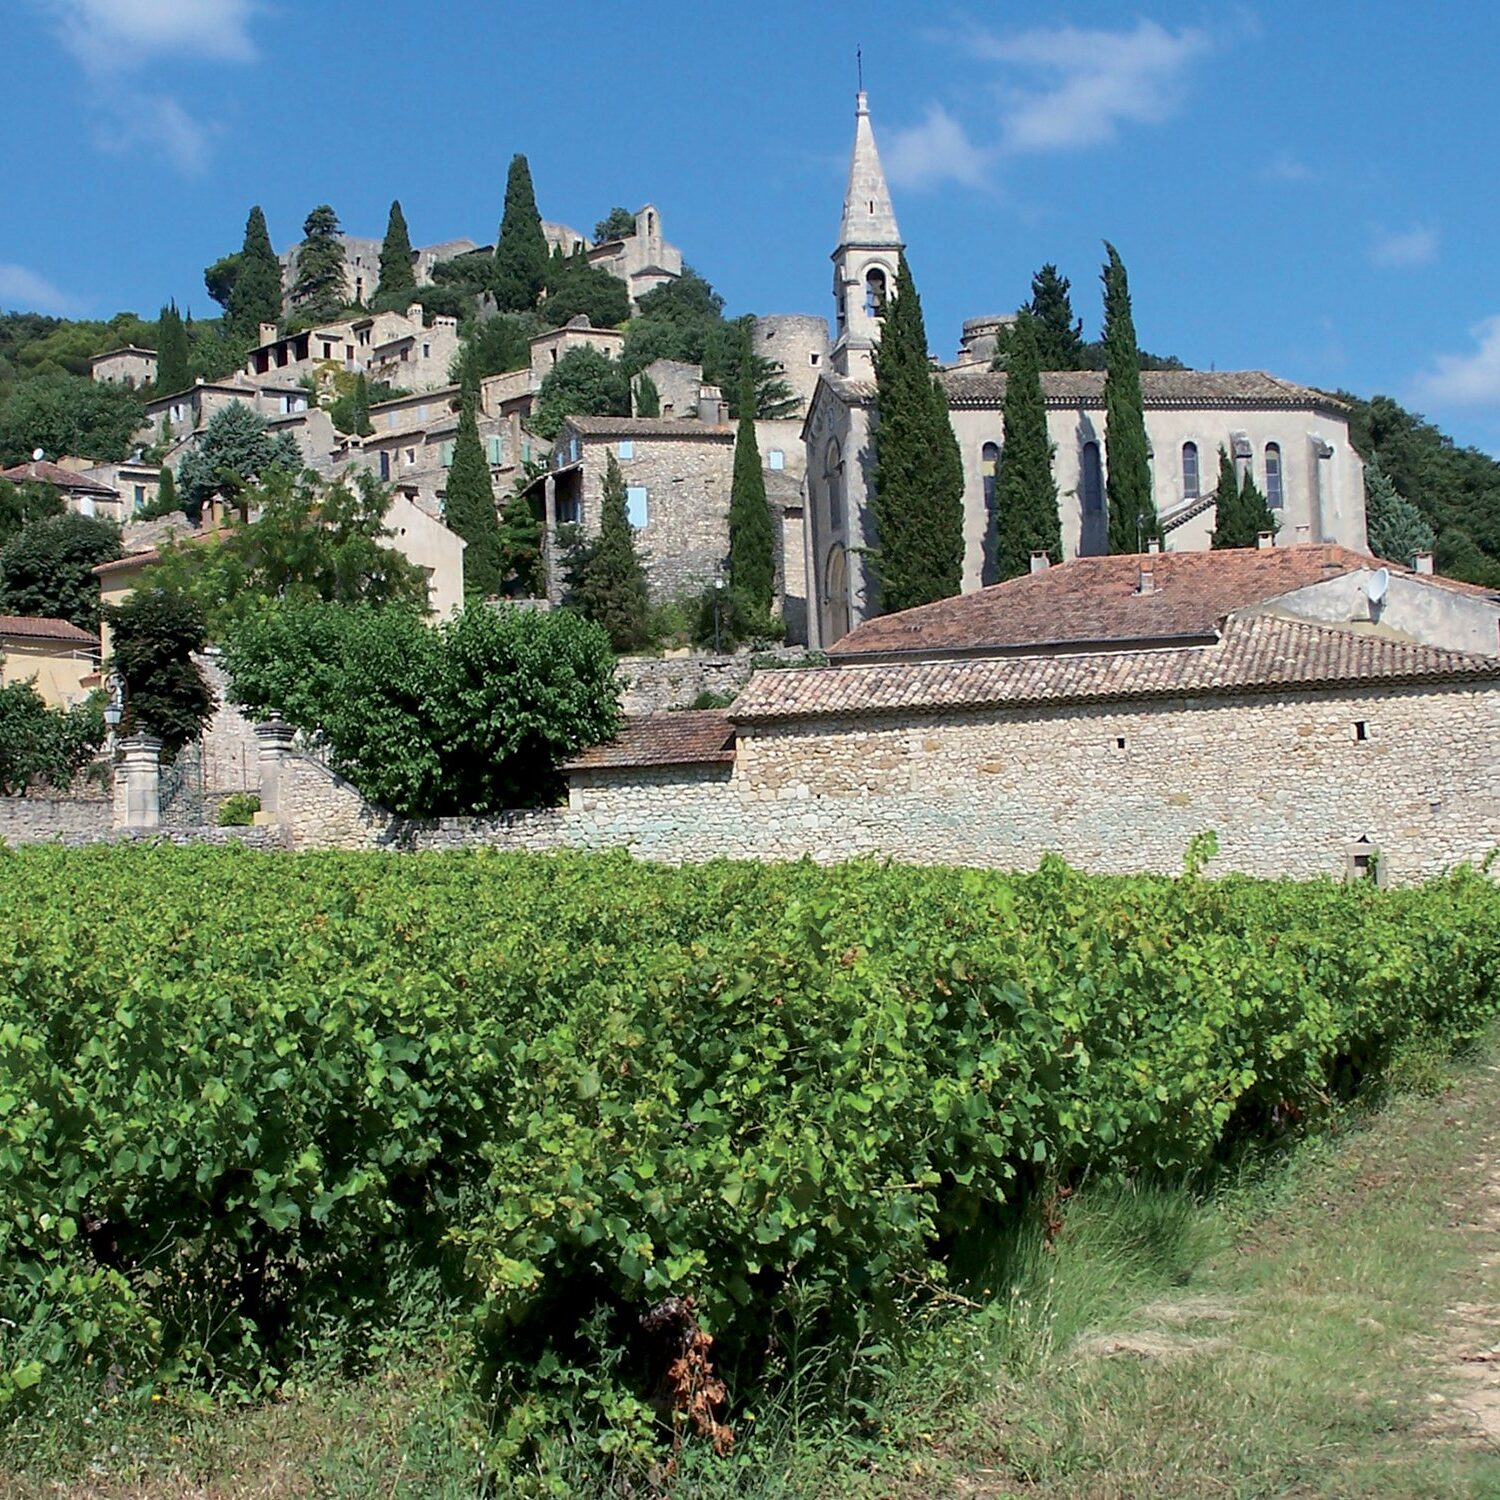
869, 218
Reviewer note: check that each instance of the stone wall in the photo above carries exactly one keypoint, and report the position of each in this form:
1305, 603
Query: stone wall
37, 820
651, 684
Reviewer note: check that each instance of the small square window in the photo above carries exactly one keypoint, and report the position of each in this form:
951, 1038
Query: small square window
626, 448
635, 505
776, 459
1361, 731
812, 359
1119, 742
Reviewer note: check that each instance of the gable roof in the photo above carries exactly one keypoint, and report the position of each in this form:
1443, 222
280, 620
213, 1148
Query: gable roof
1256, 653
700, 737
40, 628
657, 427
44, 471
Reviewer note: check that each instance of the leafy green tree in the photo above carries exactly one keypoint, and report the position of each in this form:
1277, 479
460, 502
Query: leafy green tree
583, 382
398, 280
917, 503
234, 450
520, 272
21, 504
473, 272
220, 278
673, 321
171, 351
155, 632
255, 293
1393, 525
47, 568
496, 345
166, 501
469, 508
1229, 530
1132, 511
752, 540
575, 287
617, 224
61, 414
606, 577
44, 746
1026, 517
647, 397
321, 286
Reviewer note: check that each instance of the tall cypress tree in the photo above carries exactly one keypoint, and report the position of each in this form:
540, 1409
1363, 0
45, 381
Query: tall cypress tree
319, 292
647, 397
1228, 527
171, 351
1026, 518
1132, 511
752, 543
397, 278
1059, 335
919, 483
469, 506
256, 297
607, 583
362, 423
521, 260
1256, 514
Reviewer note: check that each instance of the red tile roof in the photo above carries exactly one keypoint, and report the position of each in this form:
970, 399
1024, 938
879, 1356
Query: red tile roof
1099, 599
656, 427
44, 471
701, 737
1257, 653
38, 628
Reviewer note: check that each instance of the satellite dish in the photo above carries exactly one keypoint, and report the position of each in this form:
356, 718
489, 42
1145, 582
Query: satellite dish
38, 454
1377, 584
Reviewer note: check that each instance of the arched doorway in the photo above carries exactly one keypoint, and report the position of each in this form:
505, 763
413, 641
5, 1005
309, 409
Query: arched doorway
835, 594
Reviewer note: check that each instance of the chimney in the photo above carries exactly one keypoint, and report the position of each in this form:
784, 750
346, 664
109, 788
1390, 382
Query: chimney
268, 333
1153, 545
1265, 540
710, 404
414, 312
1303, 532
1040, 562
1148, 577
1423, 561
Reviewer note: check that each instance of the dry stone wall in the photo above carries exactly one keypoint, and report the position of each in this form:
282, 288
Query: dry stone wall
651, 684
39, 820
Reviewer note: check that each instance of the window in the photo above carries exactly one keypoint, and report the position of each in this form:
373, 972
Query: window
1091, 480
445, 454
626, 448
635, 504
1361, 730
140, 496
1190, 471
426, 351
494, 449
385, 464
422, 413
411, 457
1273, 476
989, 470
812, 359
833, 477
776, 459
569, 511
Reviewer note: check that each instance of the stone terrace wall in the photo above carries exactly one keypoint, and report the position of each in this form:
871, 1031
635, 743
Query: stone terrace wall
37, 820
651, 684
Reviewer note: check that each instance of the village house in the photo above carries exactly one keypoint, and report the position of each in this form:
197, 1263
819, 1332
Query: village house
59, 660
81, 492
128, 365
182, 413
395, 347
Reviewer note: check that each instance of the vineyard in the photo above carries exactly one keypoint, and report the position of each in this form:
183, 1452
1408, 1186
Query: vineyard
638, 1130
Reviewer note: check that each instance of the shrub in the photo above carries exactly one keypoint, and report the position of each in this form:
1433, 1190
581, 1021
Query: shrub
41, 746
238, 810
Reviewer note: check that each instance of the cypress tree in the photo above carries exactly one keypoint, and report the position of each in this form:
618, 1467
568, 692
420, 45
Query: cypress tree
171, 351
397, 278
319, 292
918, 500
608, 584
521, 547
521, 259
362, 423
1026, 518
256, 297
469, 507
1228, 526
647, 397
1059, 336
752, 544
1256, 515
1132, 512
166, 500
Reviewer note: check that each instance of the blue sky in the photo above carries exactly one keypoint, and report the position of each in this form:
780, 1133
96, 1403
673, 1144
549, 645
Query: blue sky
1308, 190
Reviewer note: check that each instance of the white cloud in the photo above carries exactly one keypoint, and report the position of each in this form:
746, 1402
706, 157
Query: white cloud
1402, 249
112, 36
1471, 379
140, 122
937, 150
1288, 169
28, 292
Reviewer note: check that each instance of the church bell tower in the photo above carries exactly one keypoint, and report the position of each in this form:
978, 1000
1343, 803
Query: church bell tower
869, 248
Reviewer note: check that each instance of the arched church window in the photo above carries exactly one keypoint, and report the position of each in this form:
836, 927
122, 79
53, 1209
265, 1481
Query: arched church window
836, 594
833, 479
1273, 476
989, 470
1092, 479
875, 293
1190, 471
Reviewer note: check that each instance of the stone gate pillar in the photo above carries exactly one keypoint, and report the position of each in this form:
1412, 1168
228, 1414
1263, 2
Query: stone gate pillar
275, 744
138, 783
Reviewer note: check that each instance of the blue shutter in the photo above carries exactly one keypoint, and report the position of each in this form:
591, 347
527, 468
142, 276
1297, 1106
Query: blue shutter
635, 505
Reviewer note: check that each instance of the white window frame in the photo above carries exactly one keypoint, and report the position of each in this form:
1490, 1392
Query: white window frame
776, 460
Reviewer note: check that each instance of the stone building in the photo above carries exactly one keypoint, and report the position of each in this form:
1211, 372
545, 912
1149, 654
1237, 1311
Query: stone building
128, 365
643, 260
362, 265
184, 412
399, 348
799, 344
133, 481
59, 660
80, 490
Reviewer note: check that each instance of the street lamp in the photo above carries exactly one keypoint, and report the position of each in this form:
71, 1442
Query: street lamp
114, 705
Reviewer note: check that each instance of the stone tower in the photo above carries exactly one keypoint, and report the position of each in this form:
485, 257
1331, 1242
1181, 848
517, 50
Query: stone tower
864, 264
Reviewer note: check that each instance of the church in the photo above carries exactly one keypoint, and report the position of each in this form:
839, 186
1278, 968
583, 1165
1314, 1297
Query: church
1294, 440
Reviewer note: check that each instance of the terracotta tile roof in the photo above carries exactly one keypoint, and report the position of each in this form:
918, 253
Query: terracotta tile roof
37, 628
1257, 653
1099, 599
668, 739
684, 427
44, 471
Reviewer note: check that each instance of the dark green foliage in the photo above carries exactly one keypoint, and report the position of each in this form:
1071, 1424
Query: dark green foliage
617, 224
171, 351
674, 321
220, 278
255, 296
41, 746
727, 353
917, 505
238, 810
647, 397
351, 412
469, 509
520, 270
397, 278
473, 716
1393, 525
1228, 532
575, 287
67, 414
1058, 334
606, 580
320, 287
752, 544
523, 566
155, 632
726, 620
166, 500
472, 272
583, 382
21, 504
1026, 517
498, 344
46, 569
235, 450
1132, 511
31, 345
1256, 514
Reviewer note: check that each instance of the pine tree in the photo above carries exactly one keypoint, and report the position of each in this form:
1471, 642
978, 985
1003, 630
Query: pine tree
1132, 511
397, 278
362, 423
1395, 528
752, 541
521, 259
319, 292
647, 397
917, 504
171, 351
607, 581
469, 508
1026, 518
256, 296
1059, 336
1228, 526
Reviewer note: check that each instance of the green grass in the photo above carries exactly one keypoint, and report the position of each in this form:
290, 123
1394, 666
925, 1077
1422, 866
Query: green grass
1283, 1336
